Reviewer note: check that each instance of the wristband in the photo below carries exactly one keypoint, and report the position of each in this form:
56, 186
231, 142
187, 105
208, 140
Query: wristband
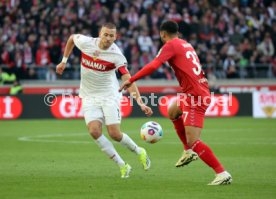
64, 60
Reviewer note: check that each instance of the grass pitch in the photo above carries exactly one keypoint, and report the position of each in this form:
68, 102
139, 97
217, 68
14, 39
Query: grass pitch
57, 159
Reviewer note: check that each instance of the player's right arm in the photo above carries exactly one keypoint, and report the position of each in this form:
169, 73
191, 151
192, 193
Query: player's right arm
76, 39
68, 49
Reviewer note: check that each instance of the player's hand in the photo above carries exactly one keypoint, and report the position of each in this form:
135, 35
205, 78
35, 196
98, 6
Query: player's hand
147, 110
60, 68
125, 85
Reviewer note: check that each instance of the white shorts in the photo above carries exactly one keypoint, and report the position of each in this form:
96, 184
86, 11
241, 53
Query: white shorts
106, 111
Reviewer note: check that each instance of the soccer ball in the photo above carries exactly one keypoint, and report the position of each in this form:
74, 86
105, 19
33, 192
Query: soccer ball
151, 132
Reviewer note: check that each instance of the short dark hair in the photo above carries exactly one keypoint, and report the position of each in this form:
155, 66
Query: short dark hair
170, 27
109, 25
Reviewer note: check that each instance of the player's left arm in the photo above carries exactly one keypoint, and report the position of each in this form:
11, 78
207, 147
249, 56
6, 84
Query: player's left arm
146, 70
164, 54
134, 92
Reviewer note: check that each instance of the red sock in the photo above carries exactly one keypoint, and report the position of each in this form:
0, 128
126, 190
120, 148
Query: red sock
207, 156
180, 130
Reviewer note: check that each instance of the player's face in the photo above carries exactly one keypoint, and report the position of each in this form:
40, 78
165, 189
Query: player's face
108, 36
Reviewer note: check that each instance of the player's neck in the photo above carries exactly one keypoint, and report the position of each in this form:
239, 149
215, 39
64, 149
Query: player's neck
170, 38
102, 47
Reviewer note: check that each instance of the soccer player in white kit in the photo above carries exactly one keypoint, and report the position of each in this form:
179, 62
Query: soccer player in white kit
99, 92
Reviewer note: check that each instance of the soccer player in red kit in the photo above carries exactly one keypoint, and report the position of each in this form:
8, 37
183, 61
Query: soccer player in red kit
187, 113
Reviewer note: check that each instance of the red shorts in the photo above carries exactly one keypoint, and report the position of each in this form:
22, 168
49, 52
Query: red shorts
193, 109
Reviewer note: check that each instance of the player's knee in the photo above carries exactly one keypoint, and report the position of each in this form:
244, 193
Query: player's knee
116, 135
94, 132
115, 132
174, 112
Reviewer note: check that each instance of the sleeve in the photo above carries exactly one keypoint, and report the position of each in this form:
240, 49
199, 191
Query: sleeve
81, 41
123, 70
146, 70
165, 53
121, 65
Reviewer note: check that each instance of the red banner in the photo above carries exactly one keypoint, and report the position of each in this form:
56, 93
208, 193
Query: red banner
10, 107
70, 107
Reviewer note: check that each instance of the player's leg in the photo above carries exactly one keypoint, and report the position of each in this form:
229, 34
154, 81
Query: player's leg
176, 116
94, 118
94, 128
203, 151
125, 140
113, 119
116, 134
193, 126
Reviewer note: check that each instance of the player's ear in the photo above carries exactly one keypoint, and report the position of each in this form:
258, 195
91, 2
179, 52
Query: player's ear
100, 32
163, 33
166, 34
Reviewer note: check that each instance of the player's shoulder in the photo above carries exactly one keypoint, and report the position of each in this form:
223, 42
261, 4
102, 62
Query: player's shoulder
180, 43
177, 41
83, 38
80, 36
114, 48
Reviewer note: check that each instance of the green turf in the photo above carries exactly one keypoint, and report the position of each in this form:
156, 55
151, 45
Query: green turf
59, 160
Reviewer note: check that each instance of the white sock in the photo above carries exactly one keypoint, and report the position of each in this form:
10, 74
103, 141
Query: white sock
108, 148
189, 151
130, 144
224, 173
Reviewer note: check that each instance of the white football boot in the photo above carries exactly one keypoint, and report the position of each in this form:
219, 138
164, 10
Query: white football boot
223, 178
186, 158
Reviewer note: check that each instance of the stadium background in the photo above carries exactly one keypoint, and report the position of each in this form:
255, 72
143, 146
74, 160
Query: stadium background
235, 41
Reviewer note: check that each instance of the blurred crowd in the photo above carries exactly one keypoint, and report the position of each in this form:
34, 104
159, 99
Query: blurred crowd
231, 37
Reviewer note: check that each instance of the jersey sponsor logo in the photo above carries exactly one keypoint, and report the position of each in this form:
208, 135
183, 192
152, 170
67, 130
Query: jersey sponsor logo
202, 80
96, 54
96, 64
93, 64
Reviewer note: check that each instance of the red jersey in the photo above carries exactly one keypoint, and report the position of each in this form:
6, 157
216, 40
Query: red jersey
183, 59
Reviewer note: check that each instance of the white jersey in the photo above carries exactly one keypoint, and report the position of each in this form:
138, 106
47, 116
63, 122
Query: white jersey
98, 77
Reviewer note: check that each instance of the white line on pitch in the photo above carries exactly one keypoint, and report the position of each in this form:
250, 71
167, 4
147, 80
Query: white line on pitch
40, 138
